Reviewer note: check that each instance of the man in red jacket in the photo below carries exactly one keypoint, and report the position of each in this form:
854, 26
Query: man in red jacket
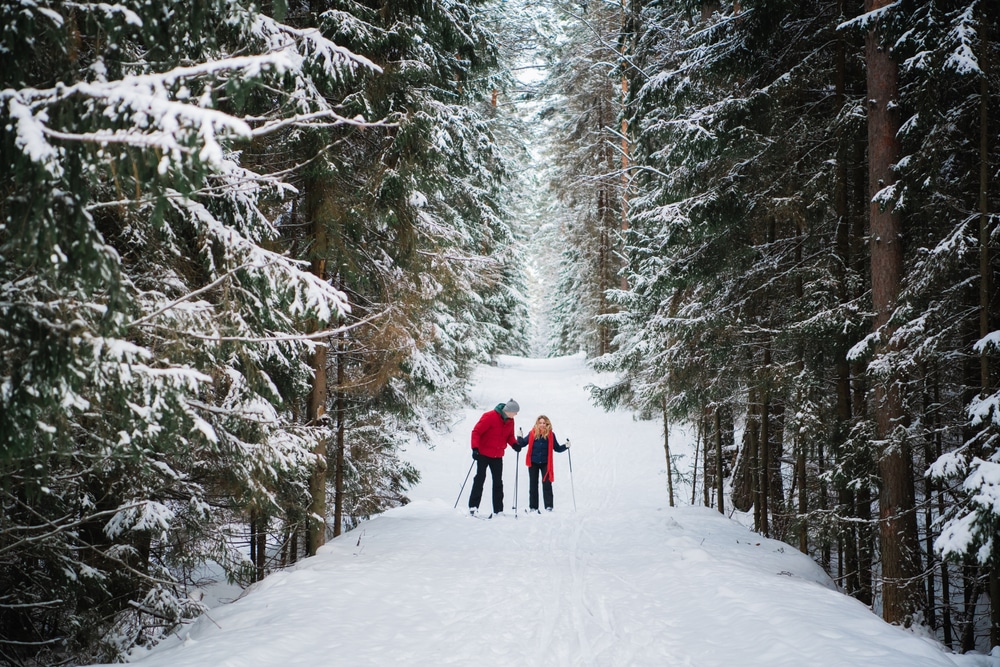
490, 437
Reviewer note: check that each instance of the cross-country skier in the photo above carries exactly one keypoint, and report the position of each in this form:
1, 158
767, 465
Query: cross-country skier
490, 437
541, 442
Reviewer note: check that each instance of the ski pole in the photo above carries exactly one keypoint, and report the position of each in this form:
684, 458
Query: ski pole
517, 469
569, 453
463, 483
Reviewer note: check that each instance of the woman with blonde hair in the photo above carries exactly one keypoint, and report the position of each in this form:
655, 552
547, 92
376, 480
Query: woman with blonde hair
541, 443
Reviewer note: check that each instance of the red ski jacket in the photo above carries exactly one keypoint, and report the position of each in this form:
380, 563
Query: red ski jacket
493, 432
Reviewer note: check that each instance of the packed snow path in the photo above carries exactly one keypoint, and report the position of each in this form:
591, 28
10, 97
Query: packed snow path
622, 580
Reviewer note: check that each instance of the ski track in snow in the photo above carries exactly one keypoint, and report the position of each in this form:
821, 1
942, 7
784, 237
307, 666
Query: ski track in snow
624, 580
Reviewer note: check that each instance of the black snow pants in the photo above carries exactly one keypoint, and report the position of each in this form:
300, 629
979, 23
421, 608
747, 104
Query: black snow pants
496, 473
534, 471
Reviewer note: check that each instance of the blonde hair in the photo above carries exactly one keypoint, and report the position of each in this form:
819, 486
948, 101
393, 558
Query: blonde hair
548, 423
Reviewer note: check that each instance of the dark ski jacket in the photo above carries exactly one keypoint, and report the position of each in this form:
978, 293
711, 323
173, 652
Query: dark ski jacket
493, 432
540, 450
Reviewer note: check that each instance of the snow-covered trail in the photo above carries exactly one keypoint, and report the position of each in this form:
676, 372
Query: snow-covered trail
622, 580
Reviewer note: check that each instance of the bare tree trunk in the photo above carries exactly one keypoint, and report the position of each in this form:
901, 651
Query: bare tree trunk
972, 589
897, 521
261, 563
764, 447
705, 487
985, 279
946, 619
318, 397
338, 503
800, 464
666, 451
929, 485
753, 427
719, 464
694, 473
628, 25
848, 544
824, 552
780, 513
285, 544
253, 543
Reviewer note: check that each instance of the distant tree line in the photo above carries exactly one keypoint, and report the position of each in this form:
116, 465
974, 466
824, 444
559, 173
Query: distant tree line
803, 237
246, 249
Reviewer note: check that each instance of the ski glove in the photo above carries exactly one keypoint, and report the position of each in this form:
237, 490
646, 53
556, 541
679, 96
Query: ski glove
475, 454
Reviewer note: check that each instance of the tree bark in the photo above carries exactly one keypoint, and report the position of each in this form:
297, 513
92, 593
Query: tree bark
938, 442
764, 447
338, 484
666, 451
897, 521
719, 463
694, 473
753, 427
705, 487
985, 278
318, 396
842, 245
985, 274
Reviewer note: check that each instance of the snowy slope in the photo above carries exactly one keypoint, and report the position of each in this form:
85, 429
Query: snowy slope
622, 580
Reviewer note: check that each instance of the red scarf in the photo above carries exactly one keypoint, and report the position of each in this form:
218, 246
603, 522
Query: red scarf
549, 473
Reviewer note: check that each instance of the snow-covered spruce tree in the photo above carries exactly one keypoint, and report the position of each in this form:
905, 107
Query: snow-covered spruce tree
148, 331
950, 81
584, 109
409, 219
747, 260
748, 268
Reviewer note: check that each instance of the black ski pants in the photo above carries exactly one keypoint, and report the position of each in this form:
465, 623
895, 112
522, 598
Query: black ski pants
495, 467
536, 470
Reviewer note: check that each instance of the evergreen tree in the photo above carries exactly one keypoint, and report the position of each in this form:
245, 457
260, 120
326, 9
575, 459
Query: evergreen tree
416, 231
586, 103
150, 345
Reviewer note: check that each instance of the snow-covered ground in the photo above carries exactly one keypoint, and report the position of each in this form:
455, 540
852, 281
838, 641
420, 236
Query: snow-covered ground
621, 579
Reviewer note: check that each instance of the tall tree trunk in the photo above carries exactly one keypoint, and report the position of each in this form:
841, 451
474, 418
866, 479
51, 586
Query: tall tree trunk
706, 489
897, 521
800, 465
666, 451
253, 543
605, 214
985, 278
338, 484
261, 537
719, 465
318, 396
971, 590
946, 621
824, 554
629, 26
764, 447
753, 428
985, 274
694, 471
779, 512
929, 409
842, 245
286, 536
